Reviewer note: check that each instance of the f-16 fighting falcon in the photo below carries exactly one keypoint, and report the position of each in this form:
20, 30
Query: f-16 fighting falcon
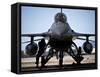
61, 38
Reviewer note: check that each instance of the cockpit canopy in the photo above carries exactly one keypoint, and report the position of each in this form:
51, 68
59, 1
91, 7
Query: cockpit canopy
60, 17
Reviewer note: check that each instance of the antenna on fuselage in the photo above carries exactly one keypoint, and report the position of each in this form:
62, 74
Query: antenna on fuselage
61, 10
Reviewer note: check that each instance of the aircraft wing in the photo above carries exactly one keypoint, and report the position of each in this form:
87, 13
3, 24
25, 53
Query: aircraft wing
84, 39
78, 34
35, 35
44, 35
75, 35
34, 40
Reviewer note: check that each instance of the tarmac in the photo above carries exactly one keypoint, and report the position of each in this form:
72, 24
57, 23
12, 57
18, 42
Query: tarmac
67, 60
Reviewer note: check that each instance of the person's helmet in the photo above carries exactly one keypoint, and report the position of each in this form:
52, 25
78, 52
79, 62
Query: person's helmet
60, 17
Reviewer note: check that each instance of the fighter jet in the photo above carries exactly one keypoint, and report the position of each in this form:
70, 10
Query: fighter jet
61, 38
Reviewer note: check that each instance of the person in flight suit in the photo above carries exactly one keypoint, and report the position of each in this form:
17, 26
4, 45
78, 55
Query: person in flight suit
79, 56
41, 45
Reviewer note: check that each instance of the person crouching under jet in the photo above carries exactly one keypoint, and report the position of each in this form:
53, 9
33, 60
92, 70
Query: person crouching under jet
41, 45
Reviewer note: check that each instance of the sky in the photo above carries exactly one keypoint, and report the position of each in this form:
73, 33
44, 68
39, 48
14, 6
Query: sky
40, 19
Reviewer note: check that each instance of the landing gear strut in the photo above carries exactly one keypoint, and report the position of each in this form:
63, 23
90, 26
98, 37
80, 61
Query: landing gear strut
61, 58
75, 52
